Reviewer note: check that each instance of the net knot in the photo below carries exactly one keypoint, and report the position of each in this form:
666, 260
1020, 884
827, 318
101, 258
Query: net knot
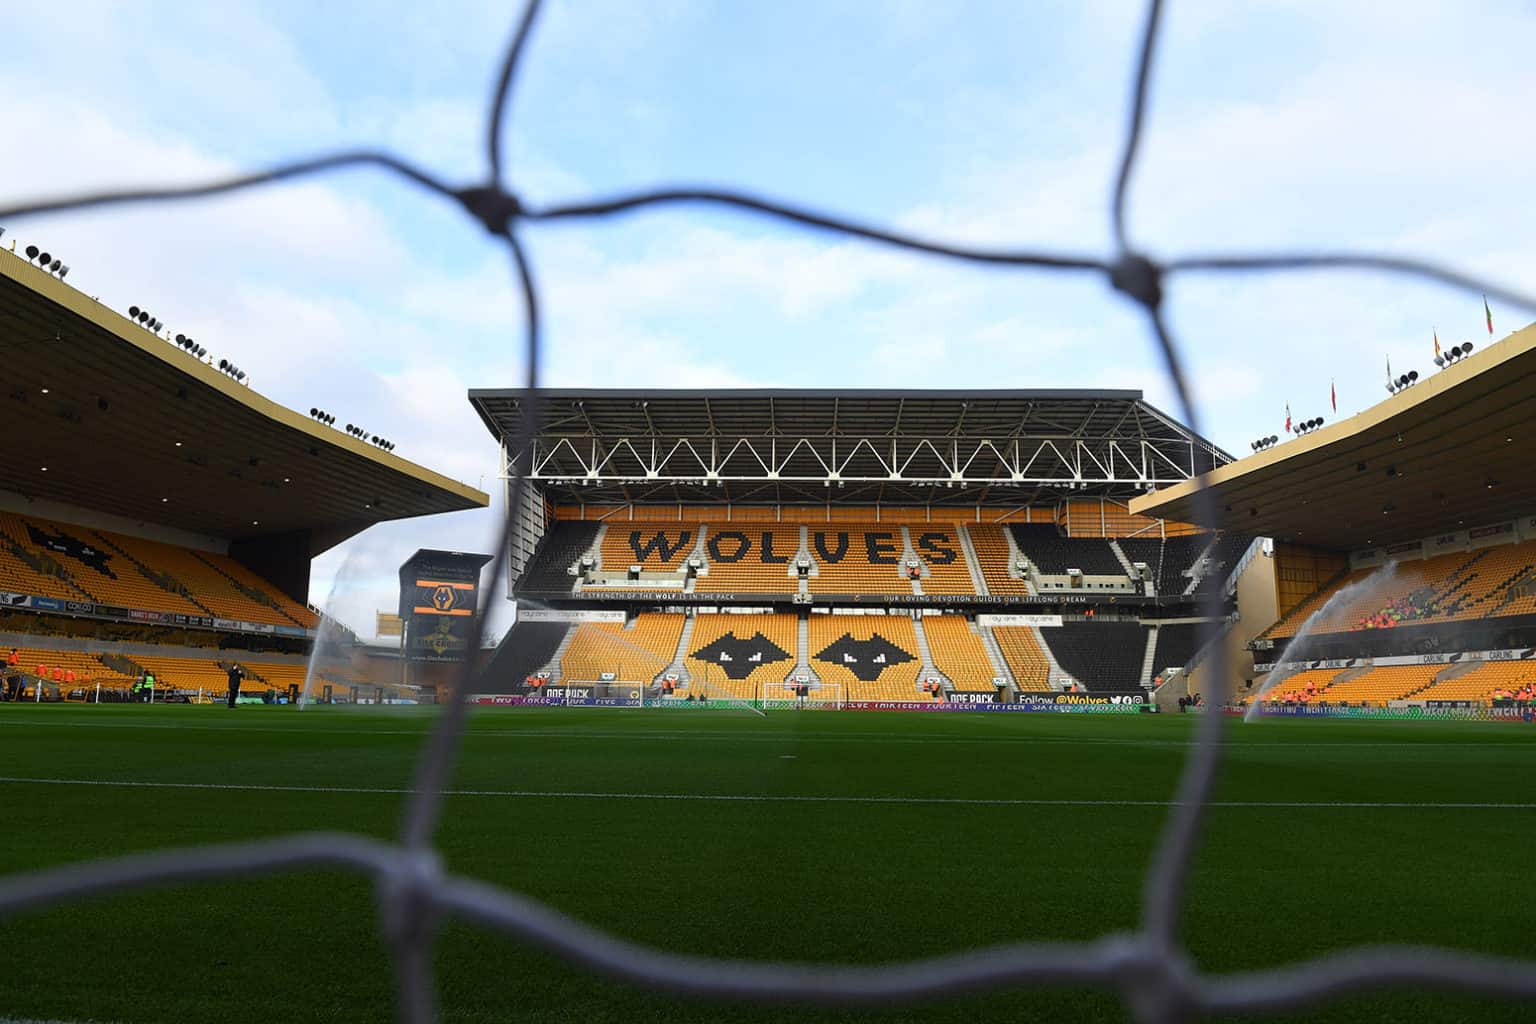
492, 206
407, 895
1158, 982
1138, 277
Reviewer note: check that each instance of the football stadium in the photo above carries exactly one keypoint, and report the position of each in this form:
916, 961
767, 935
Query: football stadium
778, 654
835, 703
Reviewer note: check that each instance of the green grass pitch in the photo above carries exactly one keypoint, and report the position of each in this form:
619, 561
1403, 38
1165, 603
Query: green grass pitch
1313, 850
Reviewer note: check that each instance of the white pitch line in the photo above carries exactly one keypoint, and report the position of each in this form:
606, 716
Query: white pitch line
554, 794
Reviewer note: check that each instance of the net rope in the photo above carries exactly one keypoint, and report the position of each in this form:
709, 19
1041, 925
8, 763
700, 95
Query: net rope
1147, 966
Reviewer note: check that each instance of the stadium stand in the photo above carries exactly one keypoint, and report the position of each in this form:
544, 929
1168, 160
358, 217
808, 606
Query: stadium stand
218, 583
281, 675
1454, 587
873, 657
992, 552
1027, 662
1176, 645
527, 648
236, 584
1303, 685
113, 568
99, 568
1052, 553
1168, 559
957, 652
1148, 551
857, 559
938, 548
1179, 555
200, 673
89, 669
722, 650
548, 572
1100, 655
1485, 680
28, 570
1222, 558
633, 652
1380, 684
653, 547
749, 559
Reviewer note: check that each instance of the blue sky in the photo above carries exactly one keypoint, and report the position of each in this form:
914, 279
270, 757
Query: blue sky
1287, 123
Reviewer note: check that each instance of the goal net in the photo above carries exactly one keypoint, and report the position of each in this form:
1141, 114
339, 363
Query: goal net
798, 695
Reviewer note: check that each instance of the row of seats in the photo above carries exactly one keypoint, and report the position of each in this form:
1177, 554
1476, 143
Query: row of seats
1168, 560
863, 558
1052, 553
860, 558
758, 559
653, 548
958, 652
1483, 682
170, 672
112, 568
995, 557
18, 576
1101, 655
88, 668
100, 569
1454, 587
1025, 657
636, 651
1377, 685
734, 655
525, 649
1220, 560
873, 657
1303, 685
1176, 645
940, 551
186, 673
561, 547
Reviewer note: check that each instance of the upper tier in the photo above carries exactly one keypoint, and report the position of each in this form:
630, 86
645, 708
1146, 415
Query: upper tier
832, 560
49, 559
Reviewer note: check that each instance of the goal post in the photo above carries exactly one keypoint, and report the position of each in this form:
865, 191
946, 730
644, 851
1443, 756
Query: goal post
801, 695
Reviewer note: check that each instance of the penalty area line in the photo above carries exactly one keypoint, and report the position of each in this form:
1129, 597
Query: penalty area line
787, 798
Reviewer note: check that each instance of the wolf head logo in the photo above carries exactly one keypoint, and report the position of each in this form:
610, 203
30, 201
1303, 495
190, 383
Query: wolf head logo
866, 659
739, 657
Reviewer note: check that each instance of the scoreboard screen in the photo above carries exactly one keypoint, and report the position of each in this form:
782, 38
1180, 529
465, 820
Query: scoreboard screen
439, 592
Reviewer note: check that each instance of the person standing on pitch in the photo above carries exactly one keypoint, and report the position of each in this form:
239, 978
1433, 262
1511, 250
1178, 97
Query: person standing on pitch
236, 673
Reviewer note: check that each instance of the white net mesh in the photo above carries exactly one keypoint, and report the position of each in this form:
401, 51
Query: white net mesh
1146, 966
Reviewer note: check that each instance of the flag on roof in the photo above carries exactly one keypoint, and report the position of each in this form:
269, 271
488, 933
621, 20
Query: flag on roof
1489, 314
